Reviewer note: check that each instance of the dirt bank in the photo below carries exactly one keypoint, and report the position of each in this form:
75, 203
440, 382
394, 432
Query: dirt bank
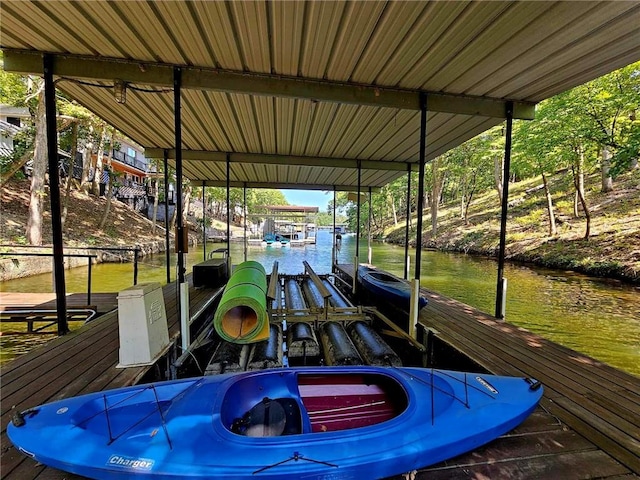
612, 250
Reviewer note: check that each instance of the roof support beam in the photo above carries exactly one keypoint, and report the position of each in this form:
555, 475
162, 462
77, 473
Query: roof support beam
26, 61
278, 186
267, 159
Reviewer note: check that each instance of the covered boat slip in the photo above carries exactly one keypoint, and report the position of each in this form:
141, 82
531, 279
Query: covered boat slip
334, 96
319, 95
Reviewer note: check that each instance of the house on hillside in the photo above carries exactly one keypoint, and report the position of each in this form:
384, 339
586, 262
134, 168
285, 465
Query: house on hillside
12, 120
136, 180
131, 168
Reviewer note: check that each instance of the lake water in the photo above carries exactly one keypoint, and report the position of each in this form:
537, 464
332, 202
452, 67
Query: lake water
598, 317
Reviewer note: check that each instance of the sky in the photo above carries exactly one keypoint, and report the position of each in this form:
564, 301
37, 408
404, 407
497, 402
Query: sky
308, 198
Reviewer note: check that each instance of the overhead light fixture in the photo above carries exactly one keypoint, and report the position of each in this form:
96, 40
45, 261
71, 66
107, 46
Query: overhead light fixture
120, 91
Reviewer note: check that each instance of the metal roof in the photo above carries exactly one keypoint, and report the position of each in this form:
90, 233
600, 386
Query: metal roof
298, 94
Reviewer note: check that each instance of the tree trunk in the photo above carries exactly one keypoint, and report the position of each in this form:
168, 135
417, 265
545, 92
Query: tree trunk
34, 222
438, 181
393, 211
607, 181
109, 189
155, 209
497, 174
577, 173
553, 231
97, 173
86, 166
187, 201
467, 204
15, 166
580, 185
71, 163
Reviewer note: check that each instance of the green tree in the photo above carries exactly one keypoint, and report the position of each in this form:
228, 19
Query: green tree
607, 110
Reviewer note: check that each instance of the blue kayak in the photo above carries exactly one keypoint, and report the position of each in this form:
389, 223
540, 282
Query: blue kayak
387, 287
312, 423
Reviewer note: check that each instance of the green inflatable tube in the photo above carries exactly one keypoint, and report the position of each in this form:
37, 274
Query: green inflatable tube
242, 315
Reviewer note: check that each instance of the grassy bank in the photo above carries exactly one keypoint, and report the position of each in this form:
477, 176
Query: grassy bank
613, 249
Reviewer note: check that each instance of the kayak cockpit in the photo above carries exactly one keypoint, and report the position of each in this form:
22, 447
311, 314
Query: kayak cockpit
270, 418
286, 403
383, 277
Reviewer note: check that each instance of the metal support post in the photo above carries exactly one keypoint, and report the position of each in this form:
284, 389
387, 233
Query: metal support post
334, 250
183, 293
358, 211
177, 84
166, 214
228, 214
356, 262
54, 191
415, 284
406, 227
244, 215
500, 290
369, 229
204, 224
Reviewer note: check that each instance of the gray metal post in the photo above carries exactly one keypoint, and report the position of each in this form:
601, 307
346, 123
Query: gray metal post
228, 206
177, 84
406, 227
369, 228
358, 213
204, 224
166, 214
423, 147
503, 218
54, 191
334, 256
244, 216
136, 252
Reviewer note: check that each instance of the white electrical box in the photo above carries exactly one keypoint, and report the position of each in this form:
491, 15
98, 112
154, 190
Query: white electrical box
142, 324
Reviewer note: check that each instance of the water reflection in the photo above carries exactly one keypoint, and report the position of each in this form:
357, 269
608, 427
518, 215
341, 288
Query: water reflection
600, 318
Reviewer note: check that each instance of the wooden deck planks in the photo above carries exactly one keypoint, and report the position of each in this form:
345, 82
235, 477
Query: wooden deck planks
597, 401
81, 362
576, 383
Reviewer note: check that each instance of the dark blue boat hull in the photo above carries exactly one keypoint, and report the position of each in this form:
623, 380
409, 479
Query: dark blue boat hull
387, 287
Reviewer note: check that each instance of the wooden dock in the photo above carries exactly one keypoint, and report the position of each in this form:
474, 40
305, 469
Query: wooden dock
588, 423
81, 362
38, 310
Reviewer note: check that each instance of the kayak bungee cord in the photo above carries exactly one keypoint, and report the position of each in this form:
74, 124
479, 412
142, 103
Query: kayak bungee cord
296, 456
164, 423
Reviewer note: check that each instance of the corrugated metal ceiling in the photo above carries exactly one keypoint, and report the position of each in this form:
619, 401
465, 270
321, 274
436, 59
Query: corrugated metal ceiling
302, 69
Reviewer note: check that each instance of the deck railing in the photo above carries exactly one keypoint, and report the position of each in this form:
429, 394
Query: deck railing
89, 257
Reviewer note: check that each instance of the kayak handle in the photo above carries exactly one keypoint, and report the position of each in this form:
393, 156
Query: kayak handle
533, 384
17, 417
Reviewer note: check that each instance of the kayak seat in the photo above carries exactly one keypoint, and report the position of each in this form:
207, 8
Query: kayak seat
270, 418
